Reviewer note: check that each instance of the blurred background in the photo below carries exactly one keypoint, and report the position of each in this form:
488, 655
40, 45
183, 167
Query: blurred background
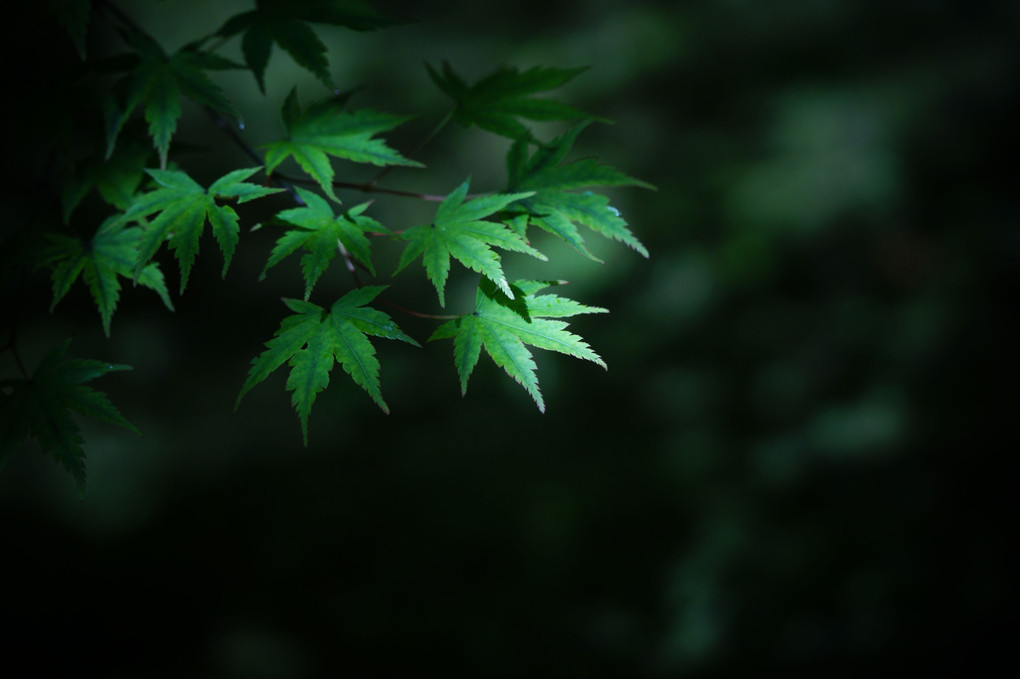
801, 458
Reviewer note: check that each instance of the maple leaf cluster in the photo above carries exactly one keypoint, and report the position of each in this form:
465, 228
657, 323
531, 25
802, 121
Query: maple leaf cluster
153, 201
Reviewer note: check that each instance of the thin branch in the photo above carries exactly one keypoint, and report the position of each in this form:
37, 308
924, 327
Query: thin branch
366, 187
247, 149
429, 137
441, 317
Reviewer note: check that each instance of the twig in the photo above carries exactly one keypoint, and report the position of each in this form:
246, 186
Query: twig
429, 137
282, 181
366, 187
441, 317
287, 182
349, 262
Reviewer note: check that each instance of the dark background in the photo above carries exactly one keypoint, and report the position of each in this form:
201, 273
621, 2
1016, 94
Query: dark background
802, 456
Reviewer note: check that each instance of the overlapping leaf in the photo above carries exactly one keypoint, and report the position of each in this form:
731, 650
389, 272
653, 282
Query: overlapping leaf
497, 101
156, 82
503, 326
41, 407
461, 231
110, 254
283, 22
318, 233
116, 179
313, 338
184, 206
322, 130
555, 205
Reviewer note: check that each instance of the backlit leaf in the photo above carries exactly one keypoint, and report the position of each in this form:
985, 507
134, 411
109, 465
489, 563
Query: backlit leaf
555, 206
505, 333
183, 207
323, 130
312, 338
318, 233
460, 231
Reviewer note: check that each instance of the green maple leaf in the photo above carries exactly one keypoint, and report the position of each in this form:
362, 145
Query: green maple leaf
116, 179
322, 130
156, 82
312, 338
74, 15
184, 206
283, 22
110, 254
41, 407
460, 231
503, 327
556, 206
318, 233
497, 101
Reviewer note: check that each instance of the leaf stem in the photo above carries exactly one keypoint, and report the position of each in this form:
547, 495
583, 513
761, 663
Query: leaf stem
429, 137
365, 187
282, 181
350, 263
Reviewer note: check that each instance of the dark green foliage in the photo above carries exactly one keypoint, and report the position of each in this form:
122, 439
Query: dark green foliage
74, 15
142, 208
111, 253
41, 407
497, 101
285, 23
116, 178
156, 81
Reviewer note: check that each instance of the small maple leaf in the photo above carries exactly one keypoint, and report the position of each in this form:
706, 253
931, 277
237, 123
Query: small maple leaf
460, 231
41, 407
283, 22
502, 327
555, 206
111, 253
312, 338
497, 101
319, 230
184, 206
156, 82
322, 130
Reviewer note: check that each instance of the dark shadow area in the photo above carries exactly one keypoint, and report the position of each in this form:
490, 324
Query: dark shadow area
801, 459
